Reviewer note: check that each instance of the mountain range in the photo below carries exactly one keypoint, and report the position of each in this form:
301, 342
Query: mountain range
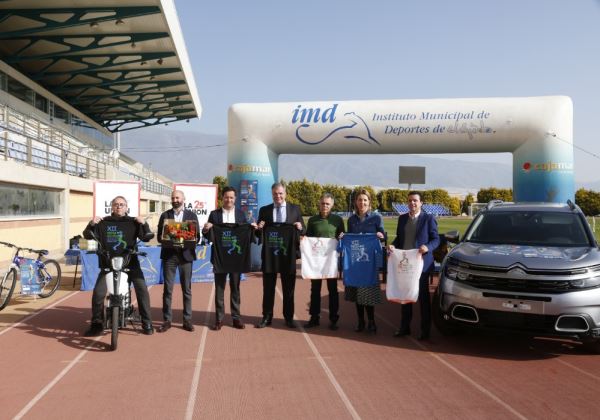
186, 156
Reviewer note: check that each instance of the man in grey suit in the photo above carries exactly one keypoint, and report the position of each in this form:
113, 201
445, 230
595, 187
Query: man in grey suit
177, 258
279, 212
226, 214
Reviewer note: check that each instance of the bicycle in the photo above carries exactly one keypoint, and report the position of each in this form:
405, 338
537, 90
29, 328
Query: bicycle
46, 272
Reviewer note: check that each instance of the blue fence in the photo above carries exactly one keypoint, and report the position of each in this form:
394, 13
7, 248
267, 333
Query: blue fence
435, 209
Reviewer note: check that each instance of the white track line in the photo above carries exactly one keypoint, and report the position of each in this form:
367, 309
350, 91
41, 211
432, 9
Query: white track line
591, 375
478, 386
38, 312
62, 373
54, 381
189, 412
330, 376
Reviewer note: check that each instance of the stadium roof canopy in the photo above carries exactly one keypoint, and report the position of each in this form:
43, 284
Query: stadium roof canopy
123, 63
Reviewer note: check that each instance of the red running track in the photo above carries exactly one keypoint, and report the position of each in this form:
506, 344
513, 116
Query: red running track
49, 370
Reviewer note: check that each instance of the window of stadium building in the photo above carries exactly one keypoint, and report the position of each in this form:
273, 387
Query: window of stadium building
19, 90
16, 201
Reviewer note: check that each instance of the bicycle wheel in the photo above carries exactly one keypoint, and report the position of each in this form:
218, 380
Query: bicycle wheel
7, 285
114, 322
50, 277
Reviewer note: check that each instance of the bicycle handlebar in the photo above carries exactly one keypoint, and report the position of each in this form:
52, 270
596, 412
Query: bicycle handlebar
33, 251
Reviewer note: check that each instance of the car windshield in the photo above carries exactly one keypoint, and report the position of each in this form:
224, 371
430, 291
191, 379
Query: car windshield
534, 228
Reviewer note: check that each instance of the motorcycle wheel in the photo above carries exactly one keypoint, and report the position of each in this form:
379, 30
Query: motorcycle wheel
114, 323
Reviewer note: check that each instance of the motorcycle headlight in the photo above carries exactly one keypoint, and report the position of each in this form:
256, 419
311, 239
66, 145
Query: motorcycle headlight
585, 283
116, 263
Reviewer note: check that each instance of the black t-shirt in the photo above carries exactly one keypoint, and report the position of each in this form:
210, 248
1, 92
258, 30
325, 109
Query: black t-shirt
231, 247
117, 234
279, 248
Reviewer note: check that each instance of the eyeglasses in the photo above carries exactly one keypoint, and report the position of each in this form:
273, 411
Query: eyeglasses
119, 205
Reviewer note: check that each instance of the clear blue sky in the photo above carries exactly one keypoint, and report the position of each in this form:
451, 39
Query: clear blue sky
273, 51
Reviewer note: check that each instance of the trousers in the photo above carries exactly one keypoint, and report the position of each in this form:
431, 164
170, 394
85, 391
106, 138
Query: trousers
170, 265
234, 289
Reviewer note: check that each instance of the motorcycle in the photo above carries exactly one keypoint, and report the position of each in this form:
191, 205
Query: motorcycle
119, 309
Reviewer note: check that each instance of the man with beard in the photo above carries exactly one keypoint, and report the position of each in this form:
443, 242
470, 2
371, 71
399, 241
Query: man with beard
177, 258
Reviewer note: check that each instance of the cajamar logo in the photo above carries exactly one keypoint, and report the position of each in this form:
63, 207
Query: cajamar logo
352, 125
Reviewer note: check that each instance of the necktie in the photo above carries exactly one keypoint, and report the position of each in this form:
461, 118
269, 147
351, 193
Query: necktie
278, 215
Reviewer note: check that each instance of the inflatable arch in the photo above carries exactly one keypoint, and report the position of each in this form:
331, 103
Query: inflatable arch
538, 131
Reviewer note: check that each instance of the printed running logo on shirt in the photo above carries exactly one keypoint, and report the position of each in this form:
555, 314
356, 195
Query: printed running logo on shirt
351, 125
228, 240
403, 264
115, 236
318, 249
276, 244
357, 252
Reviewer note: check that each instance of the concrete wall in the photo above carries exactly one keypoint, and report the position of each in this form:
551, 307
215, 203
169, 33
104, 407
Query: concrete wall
76, 209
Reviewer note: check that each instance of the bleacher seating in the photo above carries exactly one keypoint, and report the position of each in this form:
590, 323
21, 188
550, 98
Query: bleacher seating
435, 209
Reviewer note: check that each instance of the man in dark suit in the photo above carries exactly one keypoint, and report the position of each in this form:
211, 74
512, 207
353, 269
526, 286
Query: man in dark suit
177, 258
279, 212
417, 230
227, 214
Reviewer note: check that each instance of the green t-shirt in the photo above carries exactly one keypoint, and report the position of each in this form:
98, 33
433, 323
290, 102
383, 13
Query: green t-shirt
330, 227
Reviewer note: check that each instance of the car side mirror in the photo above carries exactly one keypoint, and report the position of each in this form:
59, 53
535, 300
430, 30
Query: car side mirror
452, 236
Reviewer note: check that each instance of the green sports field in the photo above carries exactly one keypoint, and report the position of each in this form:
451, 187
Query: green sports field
445, 224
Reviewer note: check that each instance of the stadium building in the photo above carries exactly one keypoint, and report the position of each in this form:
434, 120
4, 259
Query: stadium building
73, 75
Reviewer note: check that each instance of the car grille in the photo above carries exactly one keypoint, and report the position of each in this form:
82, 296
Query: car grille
519, 285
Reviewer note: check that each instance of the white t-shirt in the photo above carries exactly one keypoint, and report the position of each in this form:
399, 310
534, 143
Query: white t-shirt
403, 272
319, 258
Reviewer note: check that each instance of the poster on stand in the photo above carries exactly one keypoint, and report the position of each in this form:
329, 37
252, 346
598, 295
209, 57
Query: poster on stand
106, 191
199, 198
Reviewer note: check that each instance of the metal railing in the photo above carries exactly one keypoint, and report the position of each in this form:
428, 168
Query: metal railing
29, 141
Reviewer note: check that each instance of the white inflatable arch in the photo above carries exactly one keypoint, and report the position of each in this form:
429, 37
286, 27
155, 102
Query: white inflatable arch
538, 131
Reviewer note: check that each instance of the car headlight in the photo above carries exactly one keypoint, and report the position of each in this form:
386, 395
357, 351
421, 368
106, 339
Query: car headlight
116, 263
585, 283
454, 273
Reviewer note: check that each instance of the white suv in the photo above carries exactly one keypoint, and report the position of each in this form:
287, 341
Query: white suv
530, 267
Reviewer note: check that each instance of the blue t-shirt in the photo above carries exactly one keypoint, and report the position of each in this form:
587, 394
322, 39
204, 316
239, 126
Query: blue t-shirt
361, 256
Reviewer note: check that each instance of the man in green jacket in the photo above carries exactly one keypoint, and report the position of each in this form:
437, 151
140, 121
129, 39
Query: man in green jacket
324, 225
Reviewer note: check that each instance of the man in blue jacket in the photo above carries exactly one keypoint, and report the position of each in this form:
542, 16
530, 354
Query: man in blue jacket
417, 230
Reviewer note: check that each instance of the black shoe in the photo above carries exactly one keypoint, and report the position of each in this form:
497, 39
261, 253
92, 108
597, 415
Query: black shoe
94, 330
265, 322
218, 325
238, 324
401, 332
290, 323
371, 327
333, 323
164, 327
188, 326
360, 327
148, 330
313, 322
424, 335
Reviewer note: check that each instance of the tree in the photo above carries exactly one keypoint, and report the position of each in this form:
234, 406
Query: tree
221, 181
389, 196
305, 194
340, 195
488, 194
589, 201
466, 204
